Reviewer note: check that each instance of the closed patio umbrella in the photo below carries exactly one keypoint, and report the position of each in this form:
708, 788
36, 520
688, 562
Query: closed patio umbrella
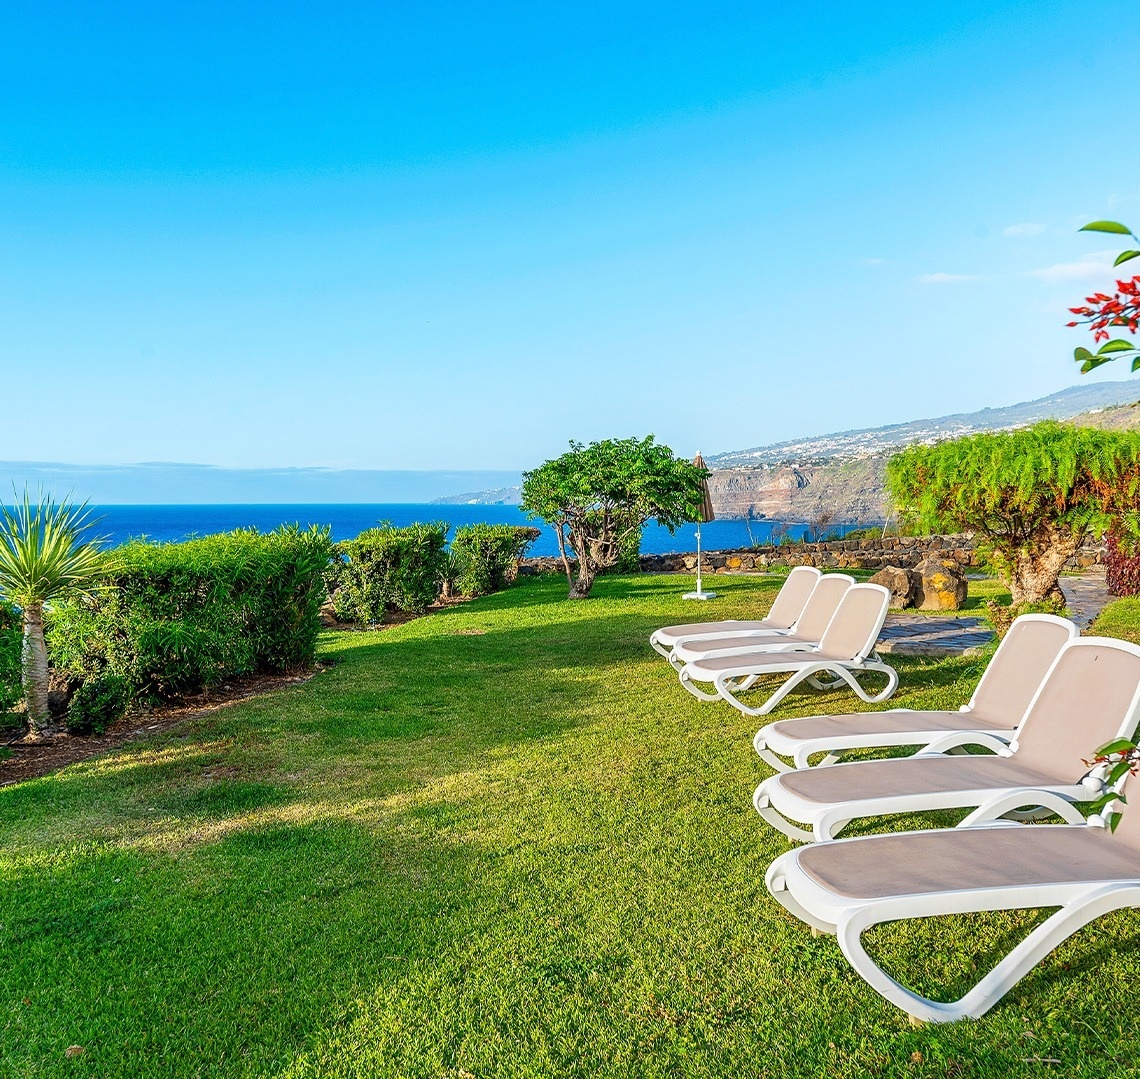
704, 514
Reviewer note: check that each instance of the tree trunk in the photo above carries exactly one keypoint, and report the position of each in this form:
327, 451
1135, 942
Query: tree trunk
580, 588
1036, 569
36, 670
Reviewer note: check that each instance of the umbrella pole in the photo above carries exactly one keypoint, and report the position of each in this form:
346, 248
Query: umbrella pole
699, 589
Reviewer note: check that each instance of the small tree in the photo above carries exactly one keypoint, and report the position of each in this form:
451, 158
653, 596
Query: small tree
598, 495
43, 556
1031, 494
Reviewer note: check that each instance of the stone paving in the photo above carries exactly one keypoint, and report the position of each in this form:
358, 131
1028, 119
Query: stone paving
907, 634
933, 635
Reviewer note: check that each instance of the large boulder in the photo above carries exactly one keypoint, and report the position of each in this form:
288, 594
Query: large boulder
904, 584
942, 584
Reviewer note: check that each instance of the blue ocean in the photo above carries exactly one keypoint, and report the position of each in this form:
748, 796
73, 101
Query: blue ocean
173, 523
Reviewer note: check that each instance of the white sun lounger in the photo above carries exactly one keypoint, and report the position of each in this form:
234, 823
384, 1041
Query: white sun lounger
848, 886
804, 635
989, 720
845, 651
786, 608
1087, 698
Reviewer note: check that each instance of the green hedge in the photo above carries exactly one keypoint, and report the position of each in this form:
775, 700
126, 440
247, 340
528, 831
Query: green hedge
486, 557
388, 569
11, 644
175, 618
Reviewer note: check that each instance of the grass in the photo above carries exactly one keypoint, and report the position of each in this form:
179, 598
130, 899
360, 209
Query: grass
499, 841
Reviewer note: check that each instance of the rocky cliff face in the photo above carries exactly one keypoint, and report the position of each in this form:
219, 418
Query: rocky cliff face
848, 491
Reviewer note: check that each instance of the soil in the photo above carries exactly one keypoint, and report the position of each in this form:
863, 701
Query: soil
31, 758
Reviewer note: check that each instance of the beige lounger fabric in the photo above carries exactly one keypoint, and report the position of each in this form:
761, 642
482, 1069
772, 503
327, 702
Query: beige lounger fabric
916, 776
887, 723
945, 860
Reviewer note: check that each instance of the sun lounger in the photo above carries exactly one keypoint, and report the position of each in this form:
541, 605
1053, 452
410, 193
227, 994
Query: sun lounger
845, 651
805, 634
786, 608
1087, 698
989, 720
848, 886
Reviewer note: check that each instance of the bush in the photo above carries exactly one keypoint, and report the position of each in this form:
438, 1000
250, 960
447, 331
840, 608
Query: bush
98, 703
1002, 615
485, 558
175, 618
11, 644
1121, 618
628, 553
388, 569
1122, 568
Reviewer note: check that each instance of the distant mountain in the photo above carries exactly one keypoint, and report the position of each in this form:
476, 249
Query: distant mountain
500, 496
151, 483
871, 441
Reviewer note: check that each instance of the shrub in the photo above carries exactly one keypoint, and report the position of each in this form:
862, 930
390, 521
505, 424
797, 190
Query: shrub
1002, 615
628, 553
175, 618
11, 642
1122, 567
485, 558
388, 569
98, 703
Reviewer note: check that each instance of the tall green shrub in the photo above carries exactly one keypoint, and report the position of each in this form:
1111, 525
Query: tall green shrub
388, 569
11, 639
179, 617
487, 556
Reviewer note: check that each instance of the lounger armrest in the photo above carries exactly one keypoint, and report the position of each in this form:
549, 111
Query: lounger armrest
955, 739
1001, 804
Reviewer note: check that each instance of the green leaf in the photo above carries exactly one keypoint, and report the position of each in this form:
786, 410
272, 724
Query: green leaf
1118, 345
1114, 227
1136, 365
1117, 745
1124, 256
1081, 354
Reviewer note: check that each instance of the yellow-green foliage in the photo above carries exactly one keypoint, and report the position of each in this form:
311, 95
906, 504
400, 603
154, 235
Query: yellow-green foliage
1119, 619
1008, 484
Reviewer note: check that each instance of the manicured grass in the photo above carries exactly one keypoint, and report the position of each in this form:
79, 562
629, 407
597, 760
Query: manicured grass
499, 841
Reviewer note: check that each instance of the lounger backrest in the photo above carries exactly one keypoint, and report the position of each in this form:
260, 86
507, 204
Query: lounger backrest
1090, 696
822, 605
1019, 665
855, 627
789, 602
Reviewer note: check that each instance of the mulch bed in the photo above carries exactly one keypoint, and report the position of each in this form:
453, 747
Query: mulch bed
30, 759
39, 758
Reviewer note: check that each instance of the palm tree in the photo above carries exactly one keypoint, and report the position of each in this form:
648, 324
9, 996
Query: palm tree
43, 555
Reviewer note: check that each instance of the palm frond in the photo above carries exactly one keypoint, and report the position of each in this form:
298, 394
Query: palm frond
45, 550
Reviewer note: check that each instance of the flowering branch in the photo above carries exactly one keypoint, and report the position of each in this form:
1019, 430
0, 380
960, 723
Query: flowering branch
1101, 311
1113, 762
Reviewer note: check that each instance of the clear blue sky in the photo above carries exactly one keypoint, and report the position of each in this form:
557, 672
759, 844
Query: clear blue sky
455, 236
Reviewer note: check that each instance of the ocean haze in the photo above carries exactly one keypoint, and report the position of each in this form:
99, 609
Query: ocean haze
160, 483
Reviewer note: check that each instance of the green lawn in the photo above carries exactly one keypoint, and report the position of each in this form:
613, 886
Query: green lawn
498, 841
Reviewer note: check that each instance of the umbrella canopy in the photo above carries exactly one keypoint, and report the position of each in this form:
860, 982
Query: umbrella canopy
706, 510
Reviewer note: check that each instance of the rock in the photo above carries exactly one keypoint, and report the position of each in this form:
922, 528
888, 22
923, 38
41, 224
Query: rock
328, 614
942, 585
61, 688
905, 584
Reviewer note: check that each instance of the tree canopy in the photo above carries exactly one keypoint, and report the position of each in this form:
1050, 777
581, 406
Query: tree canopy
1032, 494
597, 495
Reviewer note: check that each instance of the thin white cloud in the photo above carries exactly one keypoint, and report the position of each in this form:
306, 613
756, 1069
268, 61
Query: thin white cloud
1095, 265
1026, 228
944, 278
872, 262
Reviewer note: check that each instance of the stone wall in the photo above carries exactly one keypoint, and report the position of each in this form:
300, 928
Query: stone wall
905, 551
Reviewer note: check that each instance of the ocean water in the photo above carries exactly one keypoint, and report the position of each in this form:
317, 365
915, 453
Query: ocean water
173, 523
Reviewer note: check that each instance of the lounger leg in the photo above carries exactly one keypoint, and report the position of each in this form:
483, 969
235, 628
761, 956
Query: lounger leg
657, 646
700, 694
767, 756
763, 805
999, 981
722, 688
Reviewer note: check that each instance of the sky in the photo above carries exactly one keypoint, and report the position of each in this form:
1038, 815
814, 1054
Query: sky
438, 236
